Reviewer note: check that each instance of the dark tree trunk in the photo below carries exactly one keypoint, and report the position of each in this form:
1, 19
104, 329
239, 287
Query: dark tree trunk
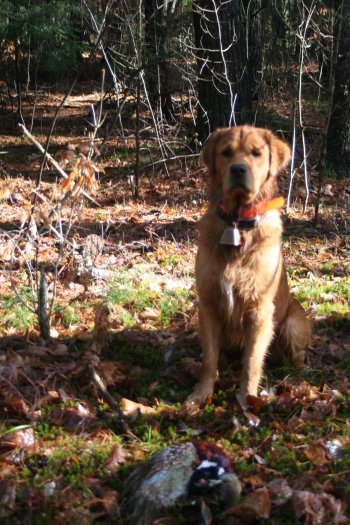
224, 81
18, 81
159, 20
338, 134
255, 12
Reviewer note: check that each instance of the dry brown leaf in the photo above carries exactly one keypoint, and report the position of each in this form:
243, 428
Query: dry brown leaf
280, 491
160, 254
257, 504
42, 217
6, 251
307, 504
15, 406
316, 453
68, 183
278, 426
254, 481
317, 411
130, 407
116, 457
5, 193
256, 403
22, 438
73, 417
149, 313
335, 510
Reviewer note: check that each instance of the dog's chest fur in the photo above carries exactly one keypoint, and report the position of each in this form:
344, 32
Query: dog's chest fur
229, 275
239, 286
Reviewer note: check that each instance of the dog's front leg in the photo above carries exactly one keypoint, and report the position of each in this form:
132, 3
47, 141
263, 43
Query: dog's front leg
210, 331
259, 335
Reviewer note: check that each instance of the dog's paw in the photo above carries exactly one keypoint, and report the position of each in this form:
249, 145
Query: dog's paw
190, 408
242, 400
299, 360
201, 396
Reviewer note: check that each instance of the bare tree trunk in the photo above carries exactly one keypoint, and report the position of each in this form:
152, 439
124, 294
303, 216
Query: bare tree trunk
18, 81
43, 315
255, 30
159, 22
224, 81
338, 133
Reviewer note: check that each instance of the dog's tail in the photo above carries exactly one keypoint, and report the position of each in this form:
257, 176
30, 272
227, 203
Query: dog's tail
294, 334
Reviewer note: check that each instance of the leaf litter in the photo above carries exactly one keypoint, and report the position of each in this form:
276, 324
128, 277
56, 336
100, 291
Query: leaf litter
62, 453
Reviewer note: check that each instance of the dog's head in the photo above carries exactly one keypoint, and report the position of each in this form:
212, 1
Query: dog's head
243, 162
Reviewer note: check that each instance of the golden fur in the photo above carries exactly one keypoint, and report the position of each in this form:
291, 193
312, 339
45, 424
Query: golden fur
243, 291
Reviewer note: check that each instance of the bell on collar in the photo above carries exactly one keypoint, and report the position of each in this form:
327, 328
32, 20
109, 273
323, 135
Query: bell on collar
231, 236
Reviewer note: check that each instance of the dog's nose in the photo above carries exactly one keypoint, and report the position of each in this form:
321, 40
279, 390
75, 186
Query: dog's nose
238, 170
239, 176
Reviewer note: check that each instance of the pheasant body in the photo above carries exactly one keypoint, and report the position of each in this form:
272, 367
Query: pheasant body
173, 474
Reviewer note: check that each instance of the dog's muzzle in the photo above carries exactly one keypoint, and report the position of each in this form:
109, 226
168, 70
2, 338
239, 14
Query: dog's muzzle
240, 178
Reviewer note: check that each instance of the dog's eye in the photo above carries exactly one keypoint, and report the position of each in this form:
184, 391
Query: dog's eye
227, 152
255, 153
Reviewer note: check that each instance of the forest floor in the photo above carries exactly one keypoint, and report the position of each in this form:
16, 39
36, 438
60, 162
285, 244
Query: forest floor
125, 309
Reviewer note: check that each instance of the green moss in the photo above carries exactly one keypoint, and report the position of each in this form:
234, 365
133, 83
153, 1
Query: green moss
15, 310
141, 293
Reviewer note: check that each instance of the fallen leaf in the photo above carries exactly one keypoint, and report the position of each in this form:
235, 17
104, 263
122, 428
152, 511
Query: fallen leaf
280, 491
257, 504
73, 417
316, 453
336, 509
278, 426
319, 509
149, 313
254, 481
13, 407
130, 407
22, 438
307, 504
256, 403
5, 193
117, 456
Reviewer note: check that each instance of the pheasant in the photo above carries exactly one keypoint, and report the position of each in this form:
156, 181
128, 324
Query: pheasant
176, 474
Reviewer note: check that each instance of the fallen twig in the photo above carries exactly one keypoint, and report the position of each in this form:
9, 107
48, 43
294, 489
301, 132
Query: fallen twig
120, 420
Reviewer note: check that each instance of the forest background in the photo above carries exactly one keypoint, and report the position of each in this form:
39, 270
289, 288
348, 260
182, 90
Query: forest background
99, 343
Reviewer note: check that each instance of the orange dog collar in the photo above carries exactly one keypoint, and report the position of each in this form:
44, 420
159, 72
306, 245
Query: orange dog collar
250, 212
245, 219
261, 208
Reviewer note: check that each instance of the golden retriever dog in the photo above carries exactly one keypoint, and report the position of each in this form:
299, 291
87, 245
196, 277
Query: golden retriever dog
244, 298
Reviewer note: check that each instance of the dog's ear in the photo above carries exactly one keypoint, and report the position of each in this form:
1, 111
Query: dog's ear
208, 151
279, 153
